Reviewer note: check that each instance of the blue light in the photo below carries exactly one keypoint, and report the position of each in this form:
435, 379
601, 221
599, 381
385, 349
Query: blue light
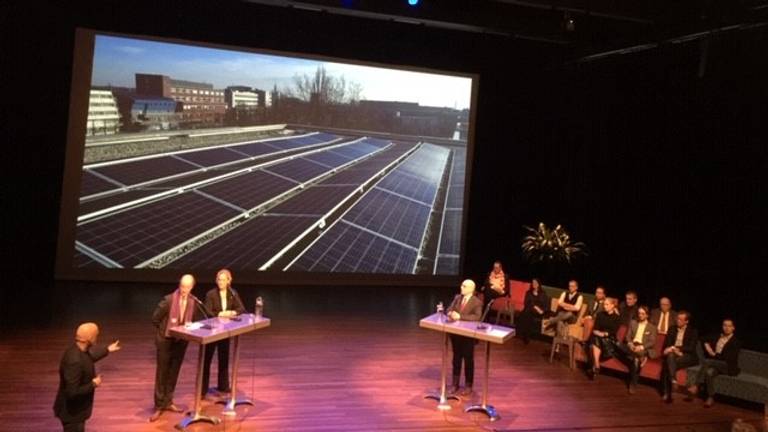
413, 2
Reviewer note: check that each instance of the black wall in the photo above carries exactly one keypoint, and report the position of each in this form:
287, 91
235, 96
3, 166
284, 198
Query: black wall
658, 170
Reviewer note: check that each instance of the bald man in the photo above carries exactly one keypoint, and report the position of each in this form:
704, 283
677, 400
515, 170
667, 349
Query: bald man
78, 379
176, 308
465, 307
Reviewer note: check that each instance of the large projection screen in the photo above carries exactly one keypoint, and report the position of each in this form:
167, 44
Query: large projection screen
284, 167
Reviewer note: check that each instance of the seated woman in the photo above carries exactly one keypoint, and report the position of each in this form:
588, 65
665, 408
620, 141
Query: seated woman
496, 283
602, 342
536, 307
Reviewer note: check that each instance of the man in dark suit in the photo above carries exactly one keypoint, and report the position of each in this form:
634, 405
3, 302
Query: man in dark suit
663, 317
638, 347
721, 356
224, 302
465, 307
679, 353
628, 308
177, 308
78, 379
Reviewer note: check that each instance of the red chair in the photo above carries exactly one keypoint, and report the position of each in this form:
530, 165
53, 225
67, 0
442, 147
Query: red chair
652, 368
512, 302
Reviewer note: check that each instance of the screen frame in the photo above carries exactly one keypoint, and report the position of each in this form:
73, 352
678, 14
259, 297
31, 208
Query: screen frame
82, 64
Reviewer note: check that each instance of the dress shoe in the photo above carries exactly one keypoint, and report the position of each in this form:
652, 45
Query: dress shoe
631, 390
155, 415
709, 402
467, 391
667, 398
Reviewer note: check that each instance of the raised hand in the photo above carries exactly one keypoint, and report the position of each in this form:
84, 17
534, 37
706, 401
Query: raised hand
114, 346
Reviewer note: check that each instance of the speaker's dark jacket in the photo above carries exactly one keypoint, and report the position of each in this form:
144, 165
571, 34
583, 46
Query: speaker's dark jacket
74, 400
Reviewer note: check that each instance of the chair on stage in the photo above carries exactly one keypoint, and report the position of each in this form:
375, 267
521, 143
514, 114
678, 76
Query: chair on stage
574, 335
513, 302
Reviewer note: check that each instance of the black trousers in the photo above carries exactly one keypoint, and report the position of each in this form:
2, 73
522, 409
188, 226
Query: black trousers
607, 347
463, 350
73, 427
529, 324
670, 366
170, 355
710, 368
223, 349
631, 360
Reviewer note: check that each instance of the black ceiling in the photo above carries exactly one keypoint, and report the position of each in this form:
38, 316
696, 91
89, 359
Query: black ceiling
599, 26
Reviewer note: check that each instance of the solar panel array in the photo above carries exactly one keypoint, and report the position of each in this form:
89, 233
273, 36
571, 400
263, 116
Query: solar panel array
449, 248
289, 219
381, 229
385, 229
135, 235
142, 170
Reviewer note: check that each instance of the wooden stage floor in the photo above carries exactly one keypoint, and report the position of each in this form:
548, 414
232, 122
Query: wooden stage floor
321, 372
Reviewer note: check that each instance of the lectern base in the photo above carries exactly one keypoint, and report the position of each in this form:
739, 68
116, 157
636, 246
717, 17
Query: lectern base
443, 401
195, 418
229, 409
488, 410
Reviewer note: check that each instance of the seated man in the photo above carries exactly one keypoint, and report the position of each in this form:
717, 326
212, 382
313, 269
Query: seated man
721, 356
628, 308
597, 304
601, 343
568, 307
663, 317
638, 346
679, 352
535, 308
466, 307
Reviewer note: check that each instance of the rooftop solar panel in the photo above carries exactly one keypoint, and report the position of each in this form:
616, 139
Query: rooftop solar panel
299, 170
248, 246
211, 157
139, 171
249, 190
455, 197
416, 188
317, 200
447, 265
135, 235
328, 159
450, 237
348, 249
91, 184
105, 202
391, 216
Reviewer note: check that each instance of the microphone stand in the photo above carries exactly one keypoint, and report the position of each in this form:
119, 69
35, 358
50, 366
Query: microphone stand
201, 308
482, 325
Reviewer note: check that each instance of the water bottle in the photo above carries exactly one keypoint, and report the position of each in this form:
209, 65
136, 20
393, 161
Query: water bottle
440, 312
259, 309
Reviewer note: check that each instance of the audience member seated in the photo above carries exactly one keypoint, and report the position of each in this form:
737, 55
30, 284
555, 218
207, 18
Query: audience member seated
638, 346
496, 284
597, 304
721, 356
628, 308
536, 307
602, 342
679, 352
663, 317
568, 306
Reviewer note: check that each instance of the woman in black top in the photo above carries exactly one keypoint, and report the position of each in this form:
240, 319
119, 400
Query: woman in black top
601, 343
536, 306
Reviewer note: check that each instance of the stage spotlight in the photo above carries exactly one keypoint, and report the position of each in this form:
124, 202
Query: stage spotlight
413, 2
